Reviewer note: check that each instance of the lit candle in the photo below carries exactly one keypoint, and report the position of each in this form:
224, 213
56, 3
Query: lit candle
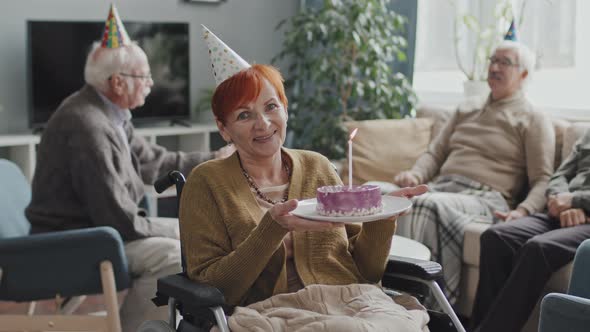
350, 157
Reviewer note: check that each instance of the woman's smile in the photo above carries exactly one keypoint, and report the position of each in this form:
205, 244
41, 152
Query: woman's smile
264, 139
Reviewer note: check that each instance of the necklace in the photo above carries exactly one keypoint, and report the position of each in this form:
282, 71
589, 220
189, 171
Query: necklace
259, 193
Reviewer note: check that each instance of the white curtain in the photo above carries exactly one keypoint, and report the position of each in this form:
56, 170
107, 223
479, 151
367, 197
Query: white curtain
548, 28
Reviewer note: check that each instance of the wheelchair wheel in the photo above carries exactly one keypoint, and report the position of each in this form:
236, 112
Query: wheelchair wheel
155, 326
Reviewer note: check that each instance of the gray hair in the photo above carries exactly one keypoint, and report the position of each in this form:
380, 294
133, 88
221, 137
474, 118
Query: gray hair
102, 63
525, 56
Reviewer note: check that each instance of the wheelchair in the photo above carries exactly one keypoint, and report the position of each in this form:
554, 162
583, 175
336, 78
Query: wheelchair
202, 306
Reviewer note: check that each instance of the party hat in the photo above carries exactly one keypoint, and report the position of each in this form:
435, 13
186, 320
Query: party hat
114, 35
224, 61
511, 34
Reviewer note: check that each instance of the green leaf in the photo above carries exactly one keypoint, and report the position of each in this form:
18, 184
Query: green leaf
401, 56
356, 37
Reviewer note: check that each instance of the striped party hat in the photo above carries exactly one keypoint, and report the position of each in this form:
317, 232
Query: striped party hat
114, 35
224, 61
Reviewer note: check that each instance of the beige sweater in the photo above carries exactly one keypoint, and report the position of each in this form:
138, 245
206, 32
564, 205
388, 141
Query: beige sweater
231, 244
505, 144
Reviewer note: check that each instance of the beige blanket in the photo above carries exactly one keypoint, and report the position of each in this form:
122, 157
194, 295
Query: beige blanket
357, 307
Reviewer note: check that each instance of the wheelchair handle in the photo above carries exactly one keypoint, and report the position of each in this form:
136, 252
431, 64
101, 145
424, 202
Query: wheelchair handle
165, 182
172, 178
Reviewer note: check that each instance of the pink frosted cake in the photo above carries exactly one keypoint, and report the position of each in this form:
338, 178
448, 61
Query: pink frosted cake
342, 201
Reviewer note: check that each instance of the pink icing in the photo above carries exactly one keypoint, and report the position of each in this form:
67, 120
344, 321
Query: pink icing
345, 201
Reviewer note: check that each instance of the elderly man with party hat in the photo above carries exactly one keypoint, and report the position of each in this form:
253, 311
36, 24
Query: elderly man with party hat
92, 168
492, 161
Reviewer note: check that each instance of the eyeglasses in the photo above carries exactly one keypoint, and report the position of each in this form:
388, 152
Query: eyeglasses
143, 77
502, 62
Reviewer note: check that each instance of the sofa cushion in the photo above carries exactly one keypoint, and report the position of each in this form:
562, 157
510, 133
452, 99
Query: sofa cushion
571, 135
561, 127
471, 241
383, 148
438, 114
560, 279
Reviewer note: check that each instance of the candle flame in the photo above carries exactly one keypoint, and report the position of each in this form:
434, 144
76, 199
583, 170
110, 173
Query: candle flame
353, 134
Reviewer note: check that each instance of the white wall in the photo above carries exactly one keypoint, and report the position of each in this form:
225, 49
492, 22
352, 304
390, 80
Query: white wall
248, 26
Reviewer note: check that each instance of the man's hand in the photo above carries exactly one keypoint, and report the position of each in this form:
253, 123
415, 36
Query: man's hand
224, 152
511, 215
280, 212
559, 203
406, 179
572, 217
410, 192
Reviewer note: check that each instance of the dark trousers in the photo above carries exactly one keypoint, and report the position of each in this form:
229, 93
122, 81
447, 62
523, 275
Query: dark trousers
516, 261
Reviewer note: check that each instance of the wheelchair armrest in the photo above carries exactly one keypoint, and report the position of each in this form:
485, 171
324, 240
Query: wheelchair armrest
188, 292
425, 270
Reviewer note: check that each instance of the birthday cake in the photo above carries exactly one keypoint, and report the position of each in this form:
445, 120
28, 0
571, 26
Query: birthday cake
345, 201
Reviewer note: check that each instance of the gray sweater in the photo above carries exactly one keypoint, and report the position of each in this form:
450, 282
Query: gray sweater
574, 175
86, 177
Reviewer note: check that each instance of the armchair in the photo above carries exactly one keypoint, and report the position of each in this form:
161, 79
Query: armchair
571, 311
202, 306
58, 265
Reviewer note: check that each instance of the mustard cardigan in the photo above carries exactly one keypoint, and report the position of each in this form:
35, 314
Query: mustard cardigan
231, 244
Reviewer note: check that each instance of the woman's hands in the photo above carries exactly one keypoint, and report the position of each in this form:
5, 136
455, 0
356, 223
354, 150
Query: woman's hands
281, 213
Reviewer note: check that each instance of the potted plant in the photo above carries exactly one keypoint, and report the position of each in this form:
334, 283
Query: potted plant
341, 55
202, 108
484, 38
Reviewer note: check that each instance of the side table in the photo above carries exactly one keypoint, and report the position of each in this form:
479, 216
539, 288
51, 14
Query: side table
404, 247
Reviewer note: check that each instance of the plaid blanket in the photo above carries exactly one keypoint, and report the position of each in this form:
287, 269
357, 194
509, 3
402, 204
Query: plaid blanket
439, 217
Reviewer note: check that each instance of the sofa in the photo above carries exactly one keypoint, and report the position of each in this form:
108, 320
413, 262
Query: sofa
383, 148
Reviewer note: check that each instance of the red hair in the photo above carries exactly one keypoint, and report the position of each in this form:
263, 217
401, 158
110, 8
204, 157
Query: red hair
244, 87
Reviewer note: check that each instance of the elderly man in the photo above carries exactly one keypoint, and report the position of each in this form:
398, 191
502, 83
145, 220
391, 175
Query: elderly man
482, 164
92, 168
517, 258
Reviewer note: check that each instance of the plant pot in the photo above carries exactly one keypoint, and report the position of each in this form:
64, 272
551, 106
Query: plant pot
475, 89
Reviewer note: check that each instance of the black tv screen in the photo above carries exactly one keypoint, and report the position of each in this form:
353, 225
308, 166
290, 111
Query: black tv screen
57, 54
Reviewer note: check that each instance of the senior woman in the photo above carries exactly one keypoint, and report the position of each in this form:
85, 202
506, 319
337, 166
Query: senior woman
236, 227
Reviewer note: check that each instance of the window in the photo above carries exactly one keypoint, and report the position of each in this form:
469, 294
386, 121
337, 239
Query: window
557, 30
548, 28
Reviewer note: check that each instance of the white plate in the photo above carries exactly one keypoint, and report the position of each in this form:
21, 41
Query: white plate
391, 206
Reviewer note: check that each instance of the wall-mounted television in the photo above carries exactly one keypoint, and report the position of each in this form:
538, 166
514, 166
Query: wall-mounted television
57, 53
